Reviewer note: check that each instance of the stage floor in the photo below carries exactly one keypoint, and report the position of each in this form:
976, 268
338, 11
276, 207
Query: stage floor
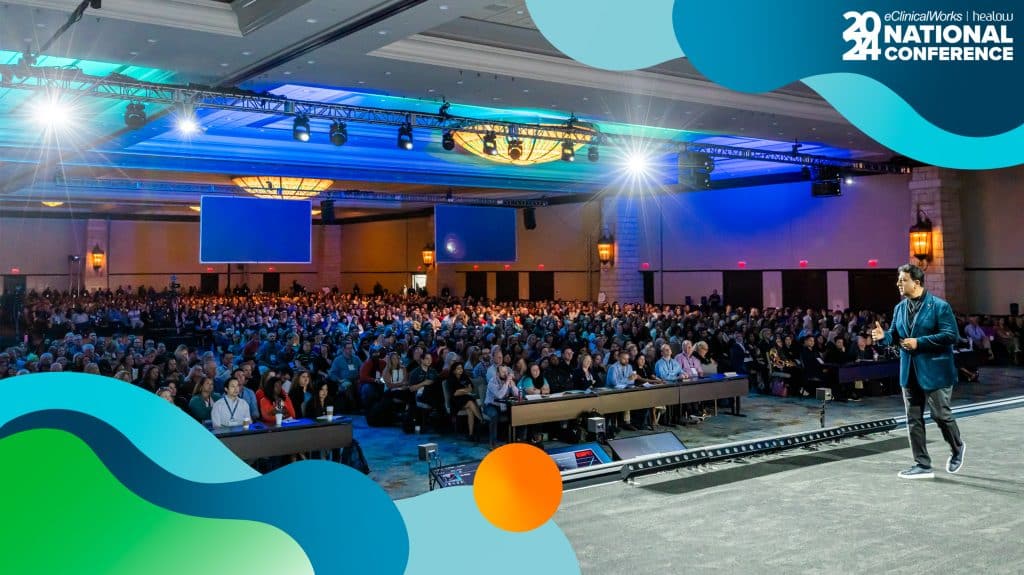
840, 509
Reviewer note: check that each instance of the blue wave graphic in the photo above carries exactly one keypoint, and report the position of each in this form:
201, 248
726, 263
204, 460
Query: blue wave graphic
470, 544
147, 419
890, 120
609, 34
339, 517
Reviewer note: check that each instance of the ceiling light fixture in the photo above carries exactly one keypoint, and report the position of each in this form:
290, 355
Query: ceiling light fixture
338, 133
447, 140
300, 129
490, 142
568, 151
276, 187
405, 136
135, 115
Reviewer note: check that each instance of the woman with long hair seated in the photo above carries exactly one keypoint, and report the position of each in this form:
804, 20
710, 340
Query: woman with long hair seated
201, 404
315, 408
460, 386
273, 401
230, 410
301, 391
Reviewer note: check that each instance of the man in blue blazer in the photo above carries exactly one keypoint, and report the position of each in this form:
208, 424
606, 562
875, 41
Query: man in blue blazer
925, 329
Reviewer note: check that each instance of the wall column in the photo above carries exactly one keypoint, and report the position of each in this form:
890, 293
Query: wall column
621, 281
937, 192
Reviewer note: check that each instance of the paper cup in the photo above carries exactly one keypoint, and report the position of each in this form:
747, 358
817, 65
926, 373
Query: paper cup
278, 418
246, 423
330, 412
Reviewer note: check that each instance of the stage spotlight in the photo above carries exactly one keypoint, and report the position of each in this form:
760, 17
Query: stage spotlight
338, 133
490, 143
187, 125
848, 180
135, 115
593, 154
448, 140
515, 148
300, 129
637, 163
405, 136
51, 113
568, 151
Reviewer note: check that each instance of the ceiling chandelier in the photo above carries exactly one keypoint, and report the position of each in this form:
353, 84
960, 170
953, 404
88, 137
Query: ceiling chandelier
520, 151
276, 187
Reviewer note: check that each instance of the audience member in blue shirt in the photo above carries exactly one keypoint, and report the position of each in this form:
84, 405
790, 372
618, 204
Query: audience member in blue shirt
621, 375
667, 368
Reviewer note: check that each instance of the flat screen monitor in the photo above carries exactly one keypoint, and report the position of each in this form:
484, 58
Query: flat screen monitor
473, 234
644, 445
577, 456
255, 230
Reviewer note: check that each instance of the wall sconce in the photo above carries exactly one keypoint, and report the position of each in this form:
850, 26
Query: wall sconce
606, 248
921, 238
99, 257
428, 255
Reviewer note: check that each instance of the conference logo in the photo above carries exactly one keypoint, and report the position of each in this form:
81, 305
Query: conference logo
931, 36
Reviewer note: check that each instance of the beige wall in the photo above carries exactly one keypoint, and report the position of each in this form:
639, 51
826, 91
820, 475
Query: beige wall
992, 209
769, 227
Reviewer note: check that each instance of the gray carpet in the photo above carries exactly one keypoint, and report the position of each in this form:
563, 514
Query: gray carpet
840, 509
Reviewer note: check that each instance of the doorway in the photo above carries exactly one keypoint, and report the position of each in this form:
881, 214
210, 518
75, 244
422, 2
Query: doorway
272, 282
506, 286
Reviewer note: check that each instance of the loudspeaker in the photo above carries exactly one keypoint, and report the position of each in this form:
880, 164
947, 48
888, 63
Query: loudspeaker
529, 218
1014, 309
327, 211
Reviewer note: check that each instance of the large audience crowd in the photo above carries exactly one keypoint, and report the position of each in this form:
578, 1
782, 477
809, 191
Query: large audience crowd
412, 360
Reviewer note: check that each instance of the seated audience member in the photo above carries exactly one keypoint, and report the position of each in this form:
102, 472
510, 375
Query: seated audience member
533, 383
316, 408
865, 351
230, 410
201, 404
463, 396
425, 387
275, 401
691, 366
501, 387
582, 377
166, 394
301, 391
395, 375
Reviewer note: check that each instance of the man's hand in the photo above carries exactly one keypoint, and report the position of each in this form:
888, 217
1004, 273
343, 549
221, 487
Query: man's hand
878, 334
909, 344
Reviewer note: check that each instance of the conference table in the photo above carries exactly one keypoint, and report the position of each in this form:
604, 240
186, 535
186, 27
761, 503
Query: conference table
297, 436
606, 400
865, 370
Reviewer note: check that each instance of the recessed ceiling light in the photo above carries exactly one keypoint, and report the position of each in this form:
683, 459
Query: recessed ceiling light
459, 82
387, 73
495, 99
526, 90
443, 6
40, 25
133, 53
224, 64
520, 12
27, 40
287, 72
151, 40
431, 90
310, 20
311, 62
814, 129
362, 81
246, 53
586, 99
382, 32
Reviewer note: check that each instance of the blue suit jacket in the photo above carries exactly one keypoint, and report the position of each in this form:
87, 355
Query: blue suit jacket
936, 333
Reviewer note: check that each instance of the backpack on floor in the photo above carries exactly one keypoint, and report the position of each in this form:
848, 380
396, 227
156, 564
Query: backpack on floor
353, 457
779, 387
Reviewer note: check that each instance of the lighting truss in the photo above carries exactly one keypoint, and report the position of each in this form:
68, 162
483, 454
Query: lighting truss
120, 87
761, 155
228, 190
